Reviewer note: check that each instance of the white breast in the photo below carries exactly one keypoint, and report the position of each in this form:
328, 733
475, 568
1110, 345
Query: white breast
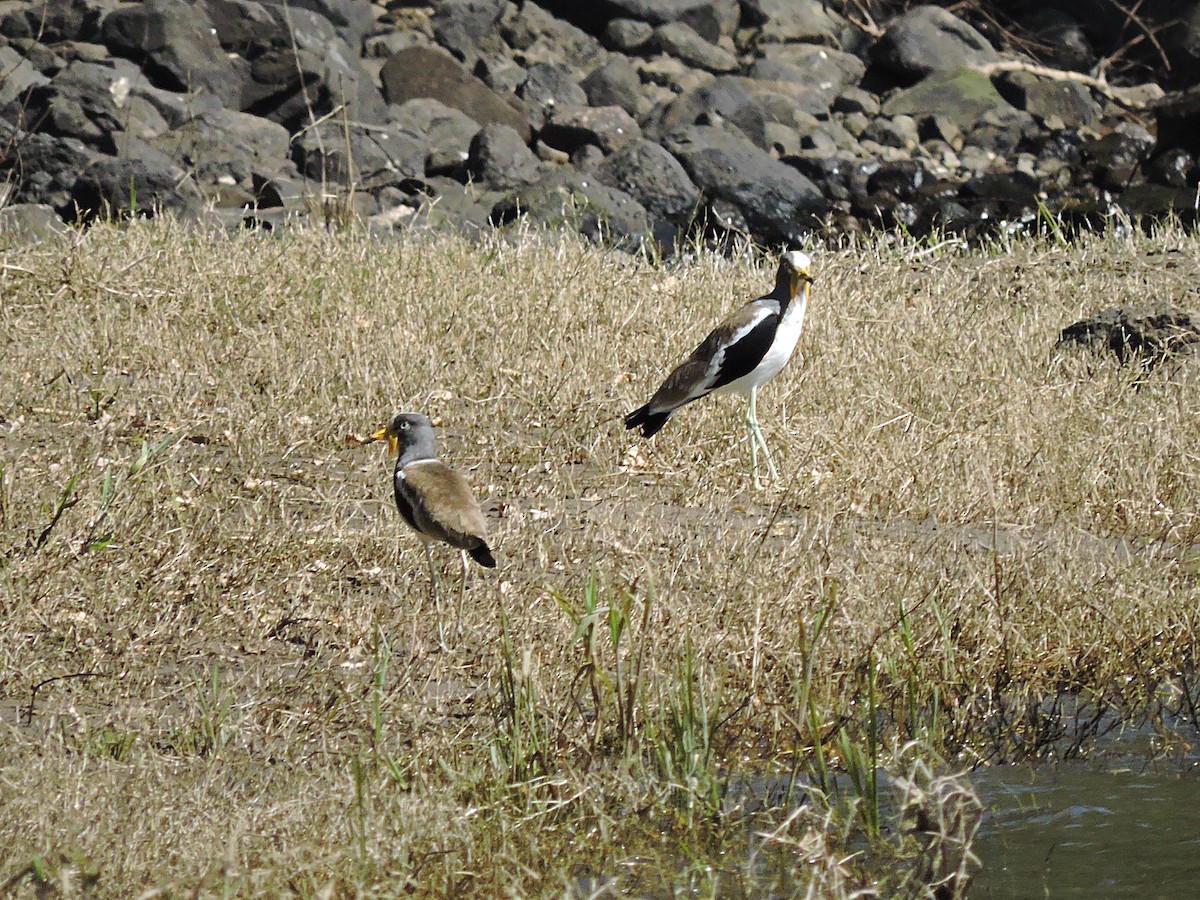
786, 337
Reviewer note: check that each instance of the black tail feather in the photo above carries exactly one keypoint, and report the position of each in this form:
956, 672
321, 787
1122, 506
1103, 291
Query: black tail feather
649, 422
483, 555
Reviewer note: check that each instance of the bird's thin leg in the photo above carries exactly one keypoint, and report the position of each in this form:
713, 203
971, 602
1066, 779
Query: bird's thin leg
462, 593
751, 424
437, 594
757, 440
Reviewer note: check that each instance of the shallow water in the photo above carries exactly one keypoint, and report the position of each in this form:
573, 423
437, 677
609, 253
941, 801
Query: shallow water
1078, 830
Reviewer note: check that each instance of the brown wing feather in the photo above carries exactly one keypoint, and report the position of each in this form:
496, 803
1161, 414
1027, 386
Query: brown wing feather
692, 378
442, 504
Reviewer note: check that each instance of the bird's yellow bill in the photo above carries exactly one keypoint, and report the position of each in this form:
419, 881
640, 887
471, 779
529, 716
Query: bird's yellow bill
393, 441
799, 278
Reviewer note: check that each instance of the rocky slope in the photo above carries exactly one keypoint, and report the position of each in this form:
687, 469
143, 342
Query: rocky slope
621, 118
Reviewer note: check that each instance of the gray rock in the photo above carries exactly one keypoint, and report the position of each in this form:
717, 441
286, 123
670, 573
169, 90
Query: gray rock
793, 21
538, 36
444, 203
930, 39
18, 76
1150, 334
145, 187
709, 18
681, 41
566, 198
306, 71
499, 159
725, 100
500, 72
177, 43
444, 131
607, 127
468, 28
898, 131
654, 178
628, 35
42, 168
29, 223
785, 101
367, 157
81, 102
58, 20
425, 72
615, 83
547, 86
962, 95
352, 18
856, 100
771, 200
823, 67
1057, 103
225, 146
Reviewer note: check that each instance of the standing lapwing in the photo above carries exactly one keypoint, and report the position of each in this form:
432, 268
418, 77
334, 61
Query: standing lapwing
435, 500
743, 353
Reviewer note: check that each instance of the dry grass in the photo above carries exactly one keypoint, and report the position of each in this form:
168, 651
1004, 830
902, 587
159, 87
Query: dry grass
250, 694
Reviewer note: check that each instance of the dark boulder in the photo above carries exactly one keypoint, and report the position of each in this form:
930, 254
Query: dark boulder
746, 187
1151, 333
469, 29
606, 127
929, 39
615, 83
145, 187
418, 72
570, 199
177, 46
654, 178
499, 159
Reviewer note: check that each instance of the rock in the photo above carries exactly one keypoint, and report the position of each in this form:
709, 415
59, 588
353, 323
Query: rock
654, 178
499, 159
1157, 201
300, 69
81, 102
444, 131
1057, 103
724, 99
443, 203
19, 78
602, 214
628, 35
224, 146
607, 127
826, 71
929, 39
793, 21
961, 95
176, 44
1059, 38
57, 21
708, 18
1116, 157
351, 18
29, 223
536, 35
898, 131
468, 28
547, 86
145, 187
615, 83
425, 72
1174, 167
856, 100
42, 168
500, 72
755, 192
367, 157
681, 41
1177, 121
1150, 333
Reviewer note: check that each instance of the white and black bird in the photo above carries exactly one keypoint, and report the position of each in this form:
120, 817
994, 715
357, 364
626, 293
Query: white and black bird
434, 500
741, 355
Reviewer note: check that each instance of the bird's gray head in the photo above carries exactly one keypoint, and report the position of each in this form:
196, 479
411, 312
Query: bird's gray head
793, 272
410, 435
